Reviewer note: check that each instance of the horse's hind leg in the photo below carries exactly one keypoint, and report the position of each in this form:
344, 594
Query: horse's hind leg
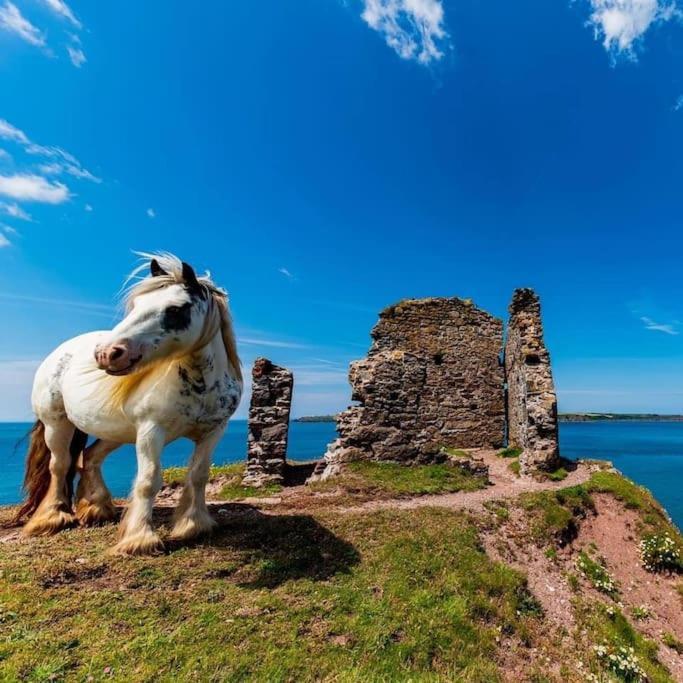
93, 500
54, 512
191, 516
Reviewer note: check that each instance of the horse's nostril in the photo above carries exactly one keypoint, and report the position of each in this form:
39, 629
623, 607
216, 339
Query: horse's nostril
116, 353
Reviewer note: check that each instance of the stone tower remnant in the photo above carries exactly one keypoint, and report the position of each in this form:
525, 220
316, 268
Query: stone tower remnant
531, 398
433, 378
271, 400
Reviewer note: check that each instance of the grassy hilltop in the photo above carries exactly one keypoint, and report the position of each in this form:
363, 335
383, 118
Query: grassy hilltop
372, 577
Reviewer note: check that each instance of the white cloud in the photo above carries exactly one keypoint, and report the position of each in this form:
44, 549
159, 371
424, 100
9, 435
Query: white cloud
88, 208
622, 23
658, 327
33, 188
9, 230
4, 242
414, 29
274, 343
151, 213
4, 154
77, 56
12, 20
14, 210
679, 103
10, 132
63, 10
285, 272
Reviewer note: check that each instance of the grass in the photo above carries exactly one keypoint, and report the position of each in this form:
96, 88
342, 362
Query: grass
674, 643
597, 574
510, 452
558, 475
231, 475
514, 467
393, 595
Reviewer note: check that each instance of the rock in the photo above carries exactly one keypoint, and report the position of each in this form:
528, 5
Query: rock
271, 400
531, 398
432, 378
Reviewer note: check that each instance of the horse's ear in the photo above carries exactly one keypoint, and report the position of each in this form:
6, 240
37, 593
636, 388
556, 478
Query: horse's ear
156, 269
190, 279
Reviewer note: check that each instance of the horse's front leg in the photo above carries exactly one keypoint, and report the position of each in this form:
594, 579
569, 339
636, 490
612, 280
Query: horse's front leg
54, 512
191, 516
136, 535
93, 500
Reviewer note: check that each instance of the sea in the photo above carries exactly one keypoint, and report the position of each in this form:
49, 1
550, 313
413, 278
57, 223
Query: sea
650, 453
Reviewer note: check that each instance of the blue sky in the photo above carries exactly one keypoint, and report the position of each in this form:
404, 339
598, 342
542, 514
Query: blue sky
326, 158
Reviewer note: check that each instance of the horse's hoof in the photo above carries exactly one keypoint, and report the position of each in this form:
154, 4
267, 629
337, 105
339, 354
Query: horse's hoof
94, 514
49, 522
189, 527
143, 543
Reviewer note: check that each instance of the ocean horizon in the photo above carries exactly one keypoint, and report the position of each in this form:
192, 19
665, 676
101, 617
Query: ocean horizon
649, 452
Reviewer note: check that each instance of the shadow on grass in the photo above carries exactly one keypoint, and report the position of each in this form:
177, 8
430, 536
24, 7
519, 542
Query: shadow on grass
279, 547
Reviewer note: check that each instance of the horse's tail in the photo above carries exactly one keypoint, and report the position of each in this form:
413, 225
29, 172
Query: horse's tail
37, 475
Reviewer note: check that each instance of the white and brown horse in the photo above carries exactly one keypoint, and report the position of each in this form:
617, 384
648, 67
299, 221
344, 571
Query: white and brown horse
168, 370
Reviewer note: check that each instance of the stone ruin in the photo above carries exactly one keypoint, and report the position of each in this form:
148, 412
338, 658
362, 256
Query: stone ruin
435, 377
271, 400
531, 398
432, 379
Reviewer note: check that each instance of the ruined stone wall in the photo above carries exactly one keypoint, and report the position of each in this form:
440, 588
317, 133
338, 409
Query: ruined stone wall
432, 378
531, 398
271, 400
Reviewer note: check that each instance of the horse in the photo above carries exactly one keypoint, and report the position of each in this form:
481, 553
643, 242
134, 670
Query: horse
169, 369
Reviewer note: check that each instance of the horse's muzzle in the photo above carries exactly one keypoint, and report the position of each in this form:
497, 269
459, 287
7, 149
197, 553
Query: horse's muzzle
115, 359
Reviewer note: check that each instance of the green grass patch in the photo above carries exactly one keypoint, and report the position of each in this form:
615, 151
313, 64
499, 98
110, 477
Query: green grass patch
597, 574
510, 452
387, 596
553, 514
174, 476
558, 475
674, 643
396, 479
514, 467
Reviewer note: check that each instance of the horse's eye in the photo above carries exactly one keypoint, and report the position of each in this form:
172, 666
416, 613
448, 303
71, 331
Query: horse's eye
177, 318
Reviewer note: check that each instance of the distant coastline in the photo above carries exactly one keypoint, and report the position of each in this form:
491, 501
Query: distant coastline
618, 417
563, 417
316, 418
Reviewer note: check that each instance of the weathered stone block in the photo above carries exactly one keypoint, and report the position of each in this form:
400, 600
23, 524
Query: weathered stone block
531, 398
271, 400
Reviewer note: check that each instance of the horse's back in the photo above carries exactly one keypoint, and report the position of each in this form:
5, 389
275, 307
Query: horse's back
48, 385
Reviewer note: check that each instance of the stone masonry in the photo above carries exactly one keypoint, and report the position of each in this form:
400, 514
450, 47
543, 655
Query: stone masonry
433, 378
271, 400
531, 398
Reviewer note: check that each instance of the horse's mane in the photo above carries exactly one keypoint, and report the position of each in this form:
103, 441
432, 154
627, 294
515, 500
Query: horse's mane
173, 269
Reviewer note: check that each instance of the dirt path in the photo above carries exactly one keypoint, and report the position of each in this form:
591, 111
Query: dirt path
504, 484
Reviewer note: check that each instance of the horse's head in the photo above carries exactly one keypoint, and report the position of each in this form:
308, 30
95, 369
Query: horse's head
166, 318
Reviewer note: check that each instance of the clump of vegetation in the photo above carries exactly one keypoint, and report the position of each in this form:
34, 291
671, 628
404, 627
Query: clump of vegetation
510, 452
514, 467
553, 514
641, 612
558, 475
674, 643
621, 661
660, 553
597, 574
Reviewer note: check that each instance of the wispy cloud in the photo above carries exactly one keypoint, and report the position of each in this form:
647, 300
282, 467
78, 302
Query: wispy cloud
4, 242
414, 29
621, 24
274, 343
83, 306
15, 211
88, 208
60, 8
33, 188
666, 328
286, 273
151, 213
12, 20
10, 132
4, 154
679, 103
76, 55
